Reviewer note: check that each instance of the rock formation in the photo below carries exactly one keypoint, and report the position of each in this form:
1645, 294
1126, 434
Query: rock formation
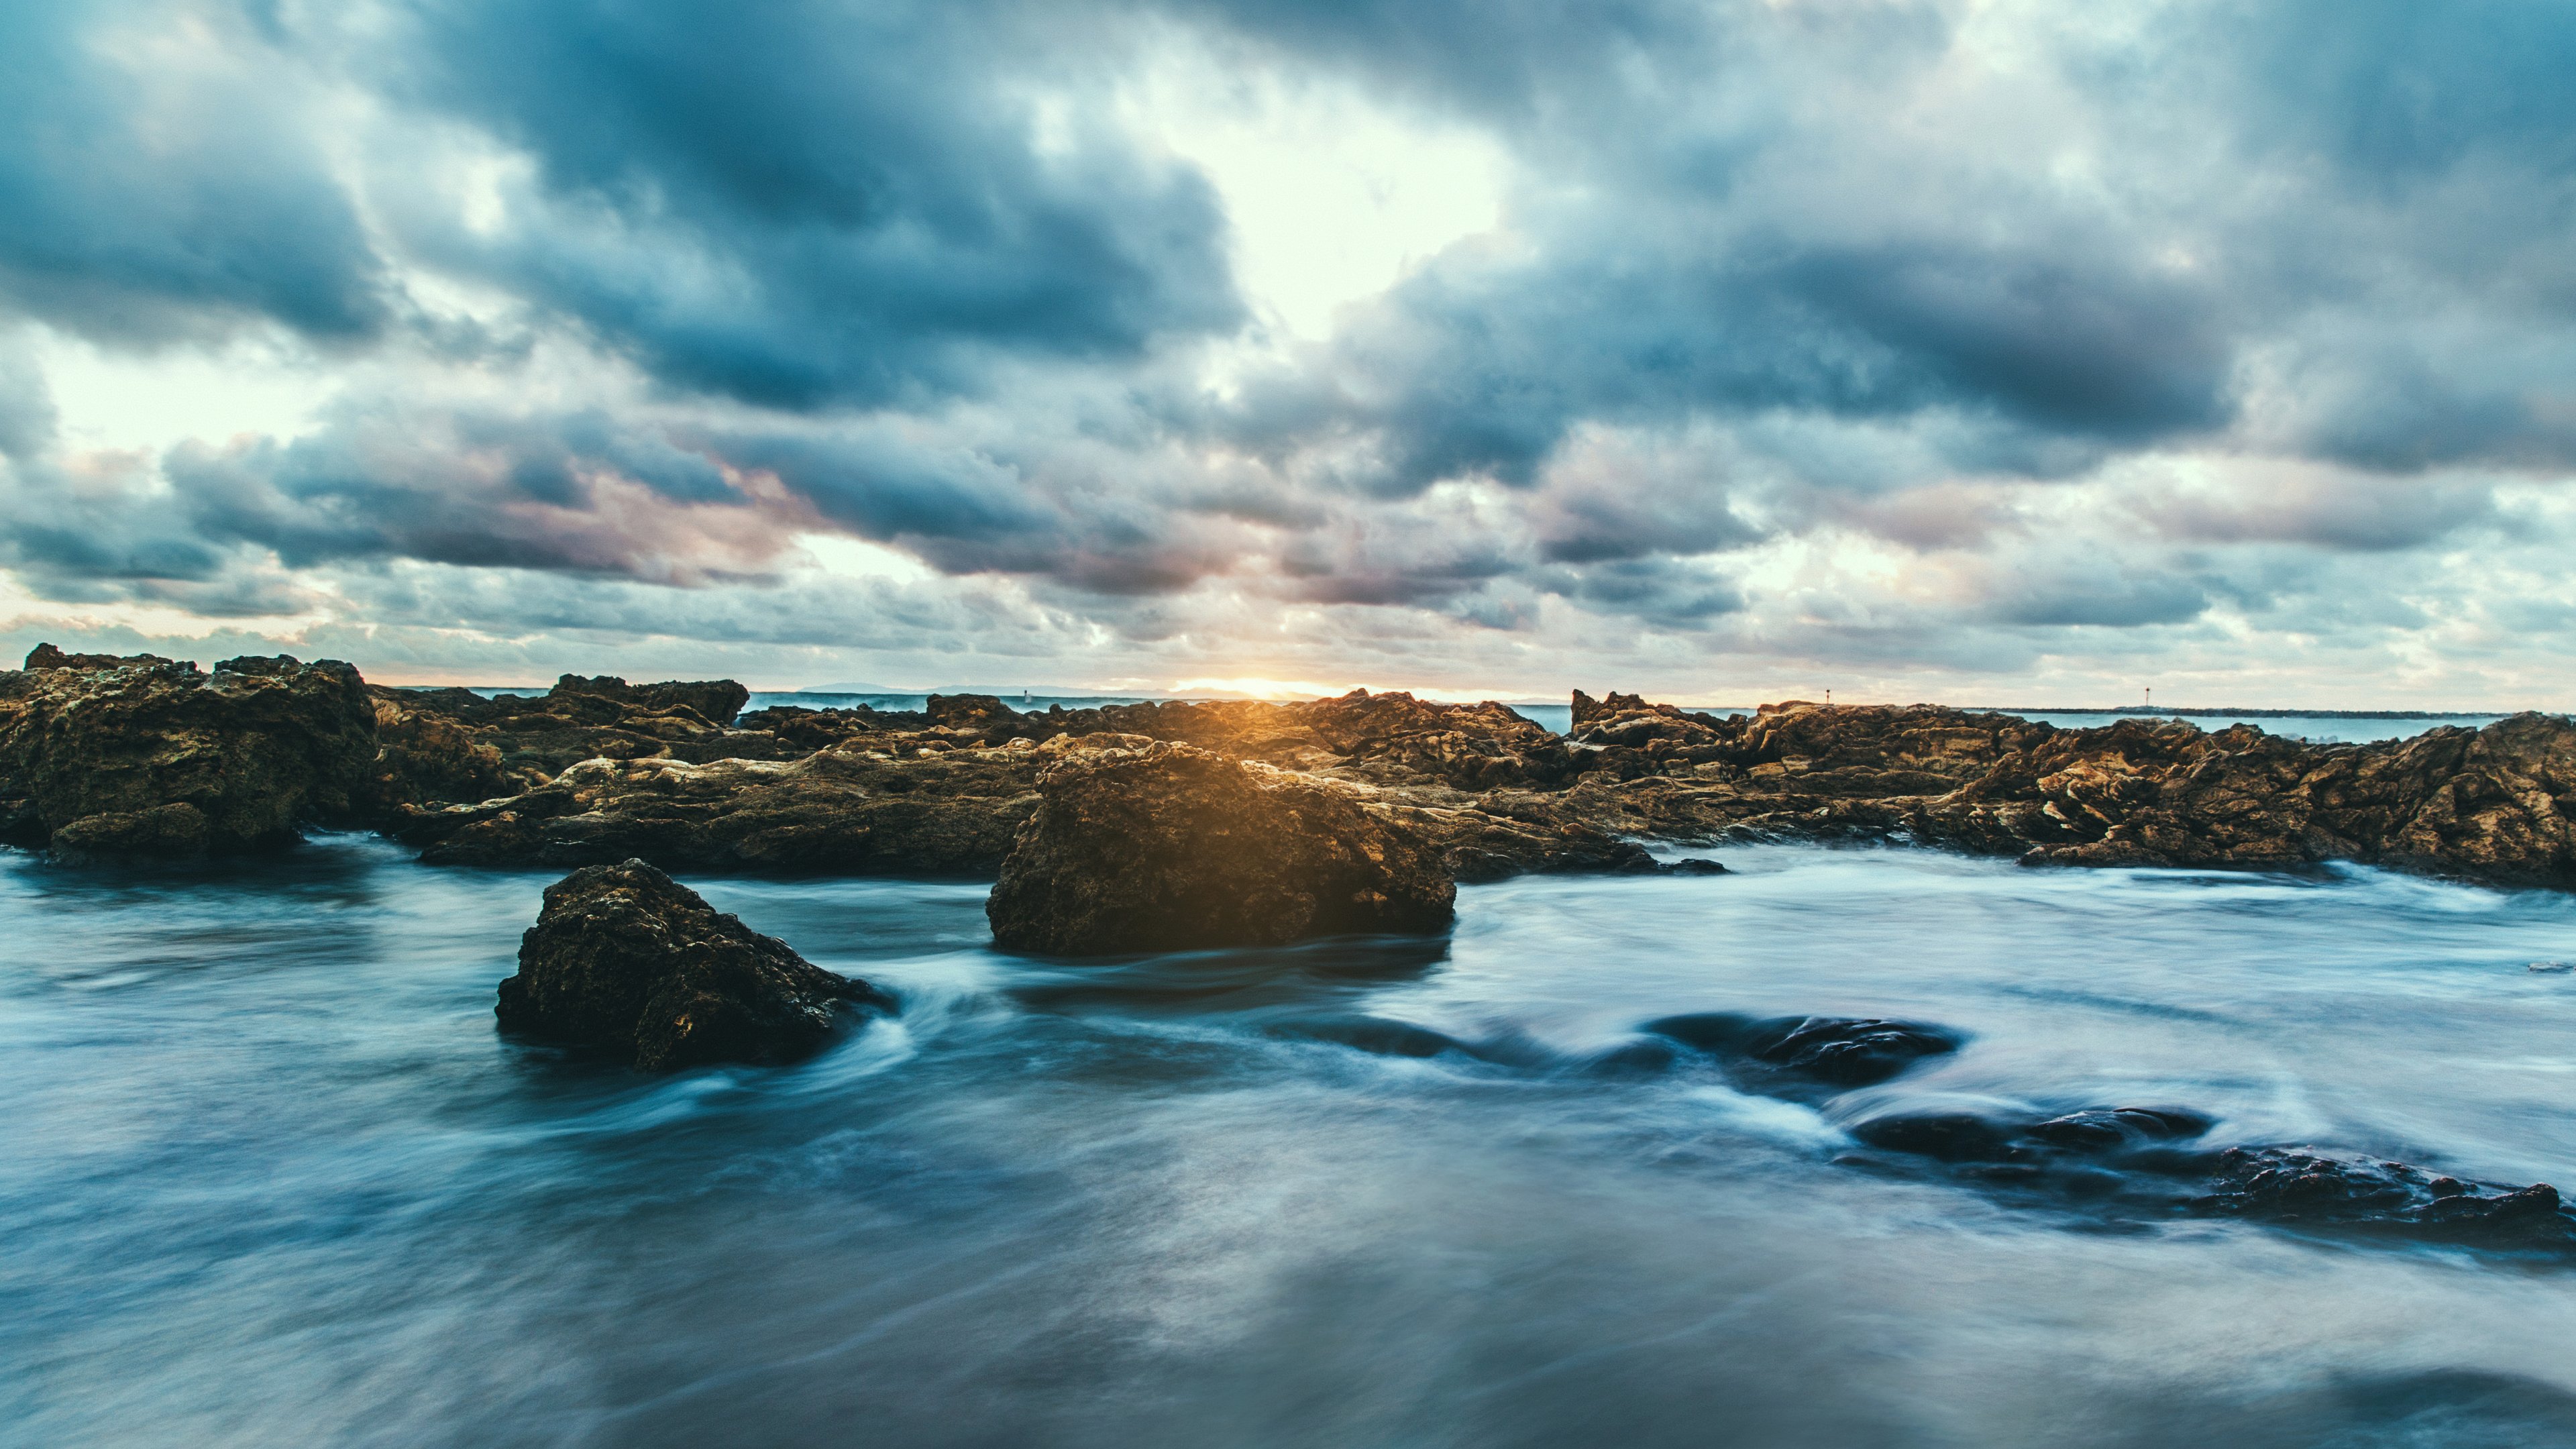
1173, 847
716, 701
104, 757
597, 769
628, 962
846, 810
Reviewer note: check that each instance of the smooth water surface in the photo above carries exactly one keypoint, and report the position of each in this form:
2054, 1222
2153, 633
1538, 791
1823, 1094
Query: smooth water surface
270, 1177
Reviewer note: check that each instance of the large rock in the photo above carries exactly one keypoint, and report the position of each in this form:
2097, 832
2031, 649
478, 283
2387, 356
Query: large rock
847, 810
103, 757
630, 962
716, 701
1172, 847
447, 747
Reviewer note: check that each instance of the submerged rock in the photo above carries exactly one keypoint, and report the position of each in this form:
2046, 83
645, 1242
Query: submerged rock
2136, 1162
2291, 1186
101, 756
1831, 1051
1173, 848
630, 962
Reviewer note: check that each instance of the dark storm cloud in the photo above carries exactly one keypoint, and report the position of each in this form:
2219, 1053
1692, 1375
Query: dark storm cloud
2298, 184
2395, 93
1772, 273
2100, 596
1660, 591
810, 203
148, 192
574, 492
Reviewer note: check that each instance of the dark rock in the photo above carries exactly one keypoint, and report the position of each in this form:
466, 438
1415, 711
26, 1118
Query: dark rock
1947, 1136
1373, 1034
148, 757
1173, 847
46, 656
1837, 1051
427, 756
2286, 1185
1695, 865
2134, 1161
2101, 1130
627, 961
847, 810
716, 701
445, 747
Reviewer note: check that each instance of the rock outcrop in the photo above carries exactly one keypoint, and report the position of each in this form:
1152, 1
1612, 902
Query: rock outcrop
453, 746
2481, 805
1173, 847
716, 701
598, 769
846, 810
106, 757
630, 963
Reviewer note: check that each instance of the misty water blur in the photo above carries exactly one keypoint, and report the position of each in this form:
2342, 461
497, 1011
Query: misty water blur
272, 1178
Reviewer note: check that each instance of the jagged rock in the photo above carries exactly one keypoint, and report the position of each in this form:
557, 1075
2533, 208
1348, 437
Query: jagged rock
2134, 1162
816, 729
845, 810
428, 757
2289, 1186
1174, 847
145, 756
2478, 804
1836, 1051
716, 701
47, 656
627, 961
452, 746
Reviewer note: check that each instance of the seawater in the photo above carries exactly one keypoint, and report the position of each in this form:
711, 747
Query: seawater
1559, 718
270, 1177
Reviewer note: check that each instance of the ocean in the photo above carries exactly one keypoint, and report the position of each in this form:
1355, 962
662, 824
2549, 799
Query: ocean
271, 1177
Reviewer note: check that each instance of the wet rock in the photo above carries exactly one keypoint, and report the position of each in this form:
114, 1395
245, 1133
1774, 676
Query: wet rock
1834, 1051
716, 701
448, 747
2286, 1185
2140, 1163
1376, 1035
428, 757
47, 656
847, 810
1946, 1136
2099, 1130
628, 962
1173, 848
102, 757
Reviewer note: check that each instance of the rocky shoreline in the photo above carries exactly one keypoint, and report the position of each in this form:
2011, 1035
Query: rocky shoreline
103, 756
1174, 826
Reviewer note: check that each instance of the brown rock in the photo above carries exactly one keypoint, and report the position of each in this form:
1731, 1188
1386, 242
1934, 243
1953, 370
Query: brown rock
148, 757
629, 962
716, 701
1174, 848
847, 810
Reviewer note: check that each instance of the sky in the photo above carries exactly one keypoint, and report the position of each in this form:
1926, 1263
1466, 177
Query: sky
1976, 352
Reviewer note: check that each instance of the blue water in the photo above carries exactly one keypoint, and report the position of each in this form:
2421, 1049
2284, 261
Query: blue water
2320, 729
1559, 718
270, 1178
